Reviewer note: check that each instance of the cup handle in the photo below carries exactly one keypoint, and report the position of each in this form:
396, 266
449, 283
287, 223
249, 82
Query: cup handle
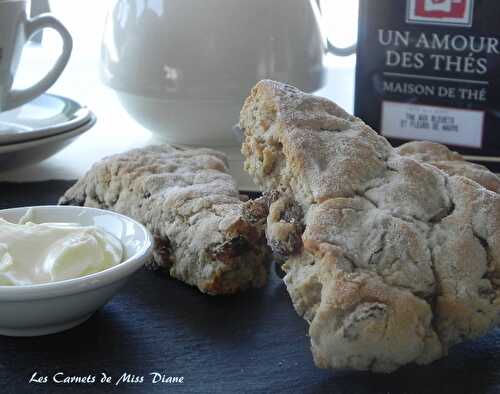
17, 97
347, 51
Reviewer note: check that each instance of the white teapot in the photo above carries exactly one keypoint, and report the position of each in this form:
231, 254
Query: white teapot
182, 68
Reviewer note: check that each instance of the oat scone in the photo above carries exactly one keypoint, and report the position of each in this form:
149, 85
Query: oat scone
204, 234
450, 162
389, 259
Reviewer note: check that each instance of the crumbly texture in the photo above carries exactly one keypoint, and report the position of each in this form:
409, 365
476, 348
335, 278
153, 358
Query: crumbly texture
205, 235
390, 259
450, 162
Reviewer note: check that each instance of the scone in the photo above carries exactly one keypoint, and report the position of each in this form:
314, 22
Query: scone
450, 162
389, 259
204, 234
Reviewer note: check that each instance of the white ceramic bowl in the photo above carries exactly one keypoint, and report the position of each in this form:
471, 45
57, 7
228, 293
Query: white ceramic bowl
52, 307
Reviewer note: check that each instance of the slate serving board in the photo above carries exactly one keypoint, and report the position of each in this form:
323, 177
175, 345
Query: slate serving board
253, 342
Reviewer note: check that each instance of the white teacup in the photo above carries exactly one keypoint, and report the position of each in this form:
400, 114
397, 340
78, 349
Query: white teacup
16, 28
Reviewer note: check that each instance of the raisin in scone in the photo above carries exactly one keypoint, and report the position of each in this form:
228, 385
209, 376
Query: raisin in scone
450, 162
389, 259
204, 234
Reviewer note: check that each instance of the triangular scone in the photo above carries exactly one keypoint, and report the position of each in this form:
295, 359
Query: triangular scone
204, 234
391, 260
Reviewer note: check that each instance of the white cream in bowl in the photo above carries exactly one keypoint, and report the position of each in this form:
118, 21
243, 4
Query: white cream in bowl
56, 305
49, 252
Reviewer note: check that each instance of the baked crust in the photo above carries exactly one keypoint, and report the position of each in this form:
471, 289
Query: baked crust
450, 162
204, 234
395, 260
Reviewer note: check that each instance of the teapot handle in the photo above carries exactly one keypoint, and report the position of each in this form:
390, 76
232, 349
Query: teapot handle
347, 51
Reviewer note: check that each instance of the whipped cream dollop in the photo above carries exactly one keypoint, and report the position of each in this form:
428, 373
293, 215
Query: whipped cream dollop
39, 253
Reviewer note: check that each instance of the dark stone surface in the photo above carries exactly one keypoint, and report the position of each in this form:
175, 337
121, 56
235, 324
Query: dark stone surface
253, 342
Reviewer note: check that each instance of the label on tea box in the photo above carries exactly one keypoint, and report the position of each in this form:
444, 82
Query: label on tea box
430, 70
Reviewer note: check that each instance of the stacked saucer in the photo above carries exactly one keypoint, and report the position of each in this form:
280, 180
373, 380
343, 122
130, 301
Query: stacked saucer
40, 128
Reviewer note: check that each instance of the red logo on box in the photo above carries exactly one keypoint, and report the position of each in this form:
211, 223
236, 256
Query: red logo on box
441, 12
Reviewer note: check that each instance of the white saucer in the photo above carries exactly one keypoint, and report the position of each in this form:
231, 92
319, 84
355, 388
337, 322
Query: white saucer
44, 116
30, 152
